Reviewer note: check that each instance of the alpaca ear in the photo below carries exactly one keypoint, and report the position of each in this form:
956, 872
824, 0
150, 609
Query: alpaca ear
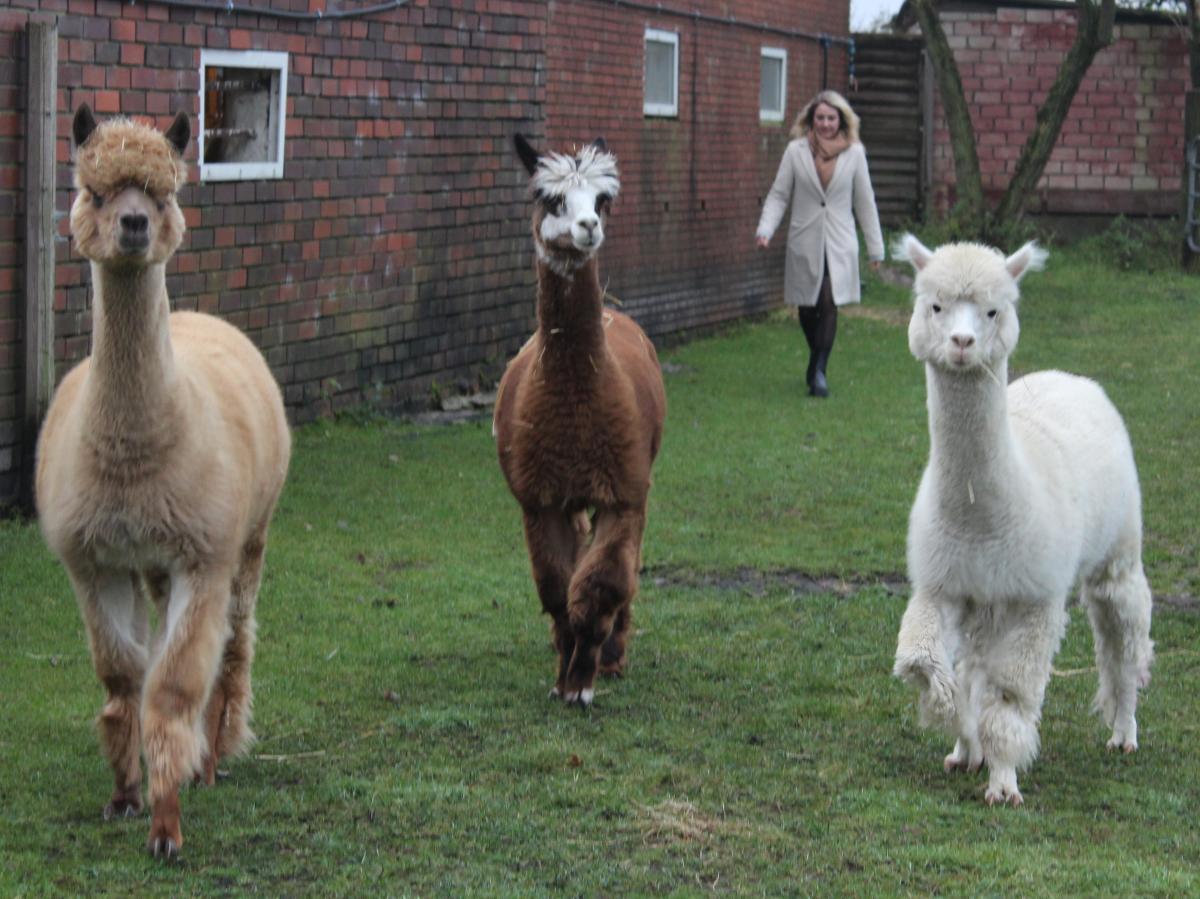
529, 156
601, 145
84, 124
909, 249
1030, 258
180, 132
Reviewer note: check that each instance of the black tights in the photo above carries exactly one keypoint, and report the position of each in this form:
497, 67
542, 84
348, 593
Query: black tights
819, 324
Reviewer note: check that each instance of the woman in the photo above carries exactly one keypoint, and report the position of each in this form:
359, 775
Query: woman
824, 176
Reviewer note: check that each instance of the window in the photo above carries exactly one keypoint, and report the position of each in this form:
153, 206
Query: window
772, 89
662, 73
243, 104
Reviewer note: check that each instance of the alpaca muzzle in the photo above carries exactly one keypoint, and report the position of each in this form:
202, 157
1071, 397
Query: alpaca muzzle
134, 236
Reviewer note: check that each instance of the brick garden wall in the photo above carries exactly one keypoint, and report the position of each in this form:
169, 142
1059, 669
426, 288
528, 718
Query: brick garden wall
390, 256
1121, 146
394, 254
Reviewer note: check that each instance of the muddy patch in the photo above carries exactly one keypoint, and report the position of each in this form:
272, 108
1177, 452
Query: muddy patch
1180, 602
752, 582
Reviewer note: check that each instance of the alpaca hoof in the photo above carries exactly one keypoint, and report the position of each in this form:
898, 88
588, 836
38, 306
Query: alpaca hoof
613, 669
163, 848
209, 778
164, 842
953, 763
582, 698
123, 807
1004, 796
1126, 746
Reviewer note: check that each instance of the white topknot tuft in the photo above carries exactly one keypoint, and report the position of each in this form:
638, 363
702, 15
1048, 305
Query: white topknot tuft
558, 173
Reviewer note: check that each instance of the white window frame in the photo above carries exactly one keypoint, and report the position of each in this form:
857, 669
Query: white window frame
774, 115
661, 109
245, 59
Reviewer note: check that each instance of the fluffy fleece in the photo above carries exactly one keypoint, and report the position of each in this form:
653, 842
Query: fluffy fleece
159, 466
1030, 489
122, 152
578, 424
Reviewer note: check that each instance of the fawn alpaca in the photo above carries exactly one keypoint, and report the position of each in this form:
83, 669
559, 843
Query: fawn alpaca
159, 466
578, 423
1030, 489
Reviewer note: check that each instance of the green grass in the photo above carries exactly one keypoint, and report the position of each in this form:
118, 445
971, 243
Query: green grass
758, 745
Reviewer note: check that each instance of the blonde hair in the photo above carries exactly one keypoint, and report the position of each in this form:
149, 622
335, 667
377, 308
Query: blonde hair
849, 118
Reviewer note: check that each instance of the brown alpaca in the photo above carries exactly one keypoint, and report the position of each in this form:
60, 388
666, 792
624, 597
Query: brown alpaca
159, 466
578, 422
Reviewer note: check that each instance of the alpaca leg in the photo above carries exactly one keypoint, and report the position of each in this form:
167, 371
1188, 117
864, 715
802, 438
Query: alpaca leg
602, 586
612, 654
1017, 663
193, 634
115, 614
228, 715
554, 541
922, 660
1118, 605
967, 754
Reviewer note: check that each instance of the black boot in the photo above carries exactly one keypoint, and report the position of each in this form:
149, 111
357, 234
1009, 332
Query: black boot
817, 385
812, 370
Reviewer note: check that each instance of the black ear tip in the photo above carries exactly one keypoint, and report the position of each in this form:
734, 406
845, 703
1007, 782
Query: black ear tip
180, 132
83, 125
527, 154
600, 144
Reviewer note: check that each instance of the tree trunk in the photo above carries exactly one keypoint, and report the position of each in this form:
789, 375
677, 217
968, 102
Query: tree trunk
970, 215
1093, 33
969, 209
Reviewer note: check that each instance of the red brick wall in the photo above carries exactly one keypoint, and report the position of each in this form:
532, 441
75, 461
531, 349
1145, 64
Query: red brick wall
394, 253
390, 256
680, 251
1121, 147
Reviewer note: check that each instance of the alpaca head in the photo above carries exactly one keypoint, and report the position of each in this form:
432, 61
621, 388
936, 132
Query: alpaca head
573, 195
126, 175
965, 310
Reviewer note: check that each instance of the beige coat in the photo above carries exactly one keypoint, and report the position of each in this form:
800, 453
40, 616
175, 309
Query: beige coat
822, 225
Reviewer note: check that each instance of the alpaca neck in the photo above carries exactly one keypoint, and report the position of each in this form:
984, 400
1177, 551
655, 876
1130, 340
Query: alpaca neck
972, 450
132, 376
570, 314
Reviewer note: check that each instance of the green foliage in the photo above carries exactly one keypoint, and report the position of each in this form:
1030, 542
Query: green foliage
758, 745
1145, 245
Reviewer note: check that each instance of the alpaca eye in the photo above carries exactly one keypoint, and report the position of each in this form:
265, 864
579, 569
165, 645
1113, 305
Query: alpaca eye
991, 313
602, 202
555, 205
937, 308
97, 200
160, 204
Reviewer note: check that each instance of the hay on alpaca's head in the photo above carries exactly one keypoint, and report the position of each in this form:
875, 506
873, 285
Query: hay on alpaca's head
122, 153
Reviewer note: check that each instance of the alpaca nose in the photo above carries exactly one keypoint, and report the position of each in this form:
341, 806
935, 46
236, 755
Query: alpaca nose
589, 223
135, 223
962, 341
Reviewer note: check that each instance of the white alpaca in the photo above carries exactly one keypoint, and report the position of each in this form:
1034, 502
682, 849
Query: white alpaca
1029, 489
